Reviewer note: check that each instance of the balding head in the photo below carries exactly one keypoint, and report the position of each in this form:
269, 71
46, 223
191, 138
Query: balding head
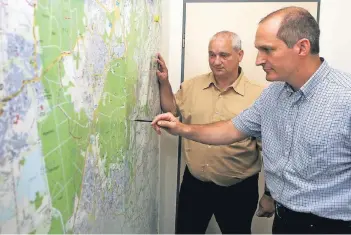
224, 55
233, 37
295, 23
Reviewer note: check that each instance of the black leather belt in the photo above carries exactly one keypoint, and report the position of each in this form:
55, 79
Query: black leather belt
306, 218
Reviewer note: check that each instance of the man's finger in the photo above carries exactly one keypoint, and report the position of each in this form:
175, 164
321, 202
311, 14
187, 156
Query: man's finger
160, 117
270, 215
156, 128
162, 65
160, 58
156, 119
261, 213
164, 124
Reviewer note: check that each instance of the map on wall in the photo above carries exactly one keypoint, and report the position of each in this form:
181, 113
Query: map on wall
74, 74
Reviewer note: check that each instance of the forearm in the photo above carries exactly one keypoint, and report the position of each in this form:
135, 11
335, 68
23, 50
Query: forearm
168, 103
219, 133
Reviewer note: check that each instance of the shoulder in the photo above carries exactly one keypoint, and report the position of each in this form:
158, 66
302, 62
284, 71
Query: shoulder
340, 87
252, 86
340, 79
196, 81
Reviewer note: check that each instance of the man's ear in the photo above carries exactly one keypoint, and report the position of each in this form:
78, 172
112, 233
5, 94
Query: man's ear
241, 55
303, 47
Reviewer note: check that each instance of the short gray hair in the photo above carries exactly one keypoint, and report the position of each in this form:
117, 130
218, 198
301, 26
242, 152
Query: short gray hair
297, 23
236, 41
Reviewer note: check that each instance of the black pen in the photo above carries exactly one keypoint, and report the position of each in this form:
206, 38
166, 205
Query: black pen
140, 120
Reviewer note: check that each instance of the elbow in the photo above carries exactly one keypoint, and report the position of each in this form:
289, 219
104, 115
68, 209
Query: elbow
173, 111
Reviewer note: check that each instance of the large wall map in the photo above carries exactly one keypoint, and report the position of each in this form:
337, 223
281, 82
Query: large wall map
73, 76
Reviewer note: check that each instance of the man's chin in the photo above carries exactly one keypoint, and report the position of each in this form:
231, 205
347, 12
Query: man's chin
274, 80
271, 78
218, 72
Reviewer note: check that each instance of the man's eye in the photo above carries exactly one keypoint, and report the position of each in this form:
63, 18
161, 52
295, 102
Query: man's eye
267, 50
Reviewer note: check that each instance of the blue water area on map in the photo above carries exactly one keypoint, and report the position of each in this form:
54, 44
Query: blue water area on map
32, 179
7, 213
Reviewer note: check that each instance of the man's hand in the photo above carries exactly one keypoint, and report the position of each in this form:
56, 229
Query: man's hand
266, 207
218, 133
162, 71
168, 122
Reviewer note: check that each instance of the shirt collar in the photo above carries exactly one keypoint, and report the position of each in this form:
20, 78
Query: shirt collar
309, 87
238, 85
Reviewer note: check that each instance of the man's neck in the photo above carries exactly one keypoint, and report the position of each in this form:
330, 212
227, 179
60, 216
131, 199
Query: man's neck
223, 82
305, 72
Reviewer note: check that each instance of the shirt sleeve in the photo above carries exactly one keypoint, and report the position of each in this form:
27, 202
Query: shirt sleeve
181, 96
249, 121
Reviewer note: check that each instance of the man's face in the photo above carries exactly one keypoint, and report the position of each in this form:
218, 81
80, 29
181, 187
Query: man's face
277, 60
222, 58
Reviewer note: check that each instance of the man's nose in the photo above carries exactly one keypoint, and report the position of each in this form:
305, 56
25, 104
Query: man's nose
260, 59
217, 60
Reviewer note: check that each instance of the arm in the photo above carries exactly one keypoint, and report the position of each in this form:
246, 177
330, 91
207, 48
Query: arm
247, 123
219, 133
168, 102
266, 206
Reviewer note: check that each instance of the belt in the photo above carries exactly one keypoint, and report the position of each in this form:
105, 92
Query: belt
286, 214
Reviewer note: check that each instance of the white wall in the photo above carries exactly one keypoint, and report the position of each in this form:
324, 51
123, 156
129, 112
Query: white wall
172, 17
335, 47
335, 26
200, 28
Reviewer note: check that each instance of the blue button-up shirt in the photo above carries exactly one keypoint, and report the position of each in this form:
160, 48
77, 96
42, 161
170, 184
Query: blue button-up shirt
306, 140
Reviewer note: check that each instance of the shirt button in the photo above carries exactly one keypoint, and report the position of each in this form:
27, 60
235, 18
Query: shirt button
207, 164
209, 146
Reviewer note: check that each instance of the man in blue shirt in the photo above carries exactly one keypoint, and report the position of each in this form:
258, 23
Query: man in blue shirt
304, 120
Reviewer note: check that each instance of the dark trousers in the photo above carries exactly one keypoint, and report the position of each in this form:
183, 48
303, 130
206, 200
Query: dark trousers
287, 221
233, 206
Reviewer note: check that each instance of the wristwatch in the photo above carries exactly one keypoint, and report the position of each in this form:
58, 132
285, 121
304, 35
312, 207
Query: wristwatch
267, 193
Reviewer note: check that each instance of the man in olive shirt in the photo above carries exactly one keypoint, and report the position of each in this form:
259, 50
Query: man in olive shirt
219, 180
